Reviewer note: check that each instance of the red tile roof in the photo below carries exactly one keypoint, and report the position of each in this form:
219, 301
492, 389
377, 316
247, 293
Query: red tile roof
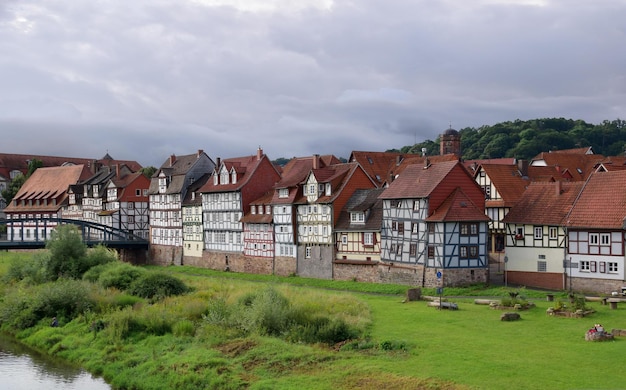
545, 203
508, 182
245, 168
417, 182
602, 202
578, 165
457, 207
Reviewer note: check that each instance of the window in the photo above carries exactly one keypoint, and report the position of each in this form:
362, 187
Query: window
542, 266
487, 191
253, 209
312, 189
400, 228
307, 252
357, 217
592, 266
605, 239
412, 249
538, 232
414, 227
416, 205
344, 239
393, 248
552, 232
283, 193
594, 239
368, 239
463, 252
268, 209
469, 229
431, 228
431, 252
473, 251
612, 266
584, 266
395, 203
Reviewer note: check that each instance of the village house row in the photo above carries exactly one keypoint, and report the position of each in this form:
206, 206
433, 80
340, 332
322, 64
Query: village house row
556, 221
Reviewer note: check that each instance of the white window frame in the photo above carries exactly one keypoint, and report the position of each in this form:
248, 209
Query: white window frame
594, 239
612, 267
344, 239
584, 266
553, 232
368, 238
538, 232
283, 193
605, 239
307, 252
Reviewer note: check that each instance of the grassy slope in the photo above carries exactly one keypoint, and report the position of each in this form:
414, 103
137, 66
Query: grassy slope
447, 349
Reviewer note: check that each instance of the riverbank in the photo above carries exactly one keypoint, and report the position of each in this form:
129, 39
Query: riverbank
178, 342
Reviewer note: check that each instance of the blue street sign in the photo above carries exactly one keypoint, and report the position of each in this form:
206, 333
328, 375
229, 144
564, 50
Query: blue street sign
438, 274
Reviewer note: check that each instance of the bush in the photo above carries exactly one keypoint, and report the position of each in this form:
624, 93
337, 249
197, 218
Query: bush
99, 255
117, 274
67, 253
157, 285
266, 312
31, 269
184, 328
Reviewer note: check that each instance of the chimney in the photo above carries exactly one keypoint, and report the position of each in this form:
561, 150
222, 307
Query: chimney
522, 166
172, 159
218, 162
398, 160
559, 188
200, 151
259, 153
94, 167
117, 170
316, 161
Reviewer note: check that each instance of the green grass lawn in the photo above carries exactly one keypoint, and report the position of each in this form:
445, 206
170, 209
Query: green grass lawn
430, 348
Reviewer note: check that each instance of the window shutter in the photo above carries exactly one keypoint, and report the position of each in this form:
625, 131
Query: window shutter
362, 238
374, 240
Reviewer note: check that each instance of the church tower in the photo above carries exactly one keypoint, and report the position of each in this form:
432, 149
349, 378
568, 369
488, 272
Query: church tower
450, 142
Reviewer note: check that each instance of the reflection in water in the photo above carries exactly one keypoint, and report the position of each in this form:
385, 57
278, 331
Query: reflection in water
23, 368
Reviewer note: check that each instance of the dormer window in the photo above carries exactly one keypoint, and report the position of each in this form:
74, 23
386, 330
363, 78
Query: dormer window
357, 217
214, 178
283, 193
312, 189
233, 177
224, 177
253, 209
95, 190
328, 189
268, 209
162, 184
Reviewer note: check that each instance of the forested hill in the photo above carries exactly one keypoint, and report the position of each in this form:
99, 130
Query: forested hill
526, 139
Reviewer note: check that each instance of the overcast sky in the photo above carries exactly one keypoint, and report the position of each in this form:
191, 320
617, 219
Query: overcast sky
144, 79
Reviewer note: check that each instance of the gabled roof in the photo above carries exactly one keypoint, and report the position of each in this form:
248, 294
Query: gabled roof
416, 181
298, 168
366, 201
245, 168
457, 207
602, 202
48, 183
472, 165
508, 182
377, 164
397, 169
178, 165
545, 203
194, 188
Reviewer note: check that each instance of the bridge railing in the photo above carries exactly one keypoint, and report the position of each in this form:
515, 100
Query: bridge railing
19, 232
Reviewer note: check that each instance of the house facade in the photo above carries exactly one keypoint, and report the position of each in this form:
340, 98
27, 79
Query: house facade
126, 203
235, 183
325, 192
168, 188
193, 241
434, 221
258, 235
536, 235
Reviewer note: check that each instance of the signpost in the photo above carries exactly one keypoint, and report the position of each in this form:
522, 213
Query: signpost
440, 288
506, 260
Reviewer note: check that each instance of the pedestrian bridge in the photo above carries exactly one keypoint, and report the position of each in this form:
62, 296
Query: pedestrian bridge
32, 233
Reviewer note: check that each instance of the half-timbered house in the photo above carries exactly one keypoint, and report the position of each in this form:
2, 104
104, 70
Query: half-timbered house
535, 238
503, 185
235, 183
357, 237
41, 197
595, 235
258, 234
325, 192
168, 188
286, 192
193, 231
434, 221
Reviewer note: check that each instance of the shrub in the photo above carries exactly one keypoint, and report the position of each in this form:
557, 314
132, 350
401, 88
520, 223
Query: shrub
31, 269
184, 328
99, 255
119, 275
67, 253
157, 285
266, 312
64, 298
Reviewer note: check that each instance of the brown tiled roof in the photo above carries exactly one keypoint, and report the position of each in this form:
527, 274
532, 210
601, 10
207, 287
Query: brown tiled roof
602, 202
472, 165
245, 168
457, 207
508, 182
263, 201
417, 182
48, 183
366, 201
10, 162
377, 164
414, 159
578, 165
545, 203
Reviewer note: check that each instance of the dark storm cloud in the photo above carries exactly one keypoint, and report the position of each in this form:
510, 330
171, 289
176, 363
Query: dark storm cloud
146, 79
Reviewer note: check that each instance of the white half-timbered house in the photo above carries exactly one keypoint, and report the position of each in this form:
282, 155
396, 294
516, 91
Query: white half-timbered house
41, 197
126, 202
503, 185
434, 220
168, 188
595, 235
235, 183
286, 192
325, 193
535, 238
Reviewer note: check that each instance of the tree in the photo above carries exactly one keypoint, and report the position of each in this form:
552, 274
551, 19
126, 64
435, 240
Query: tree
9, 193
67, 253
148, 171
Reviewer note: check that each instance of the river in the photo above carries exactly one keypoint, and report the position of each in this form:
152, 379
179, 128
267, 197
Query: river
22, 368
